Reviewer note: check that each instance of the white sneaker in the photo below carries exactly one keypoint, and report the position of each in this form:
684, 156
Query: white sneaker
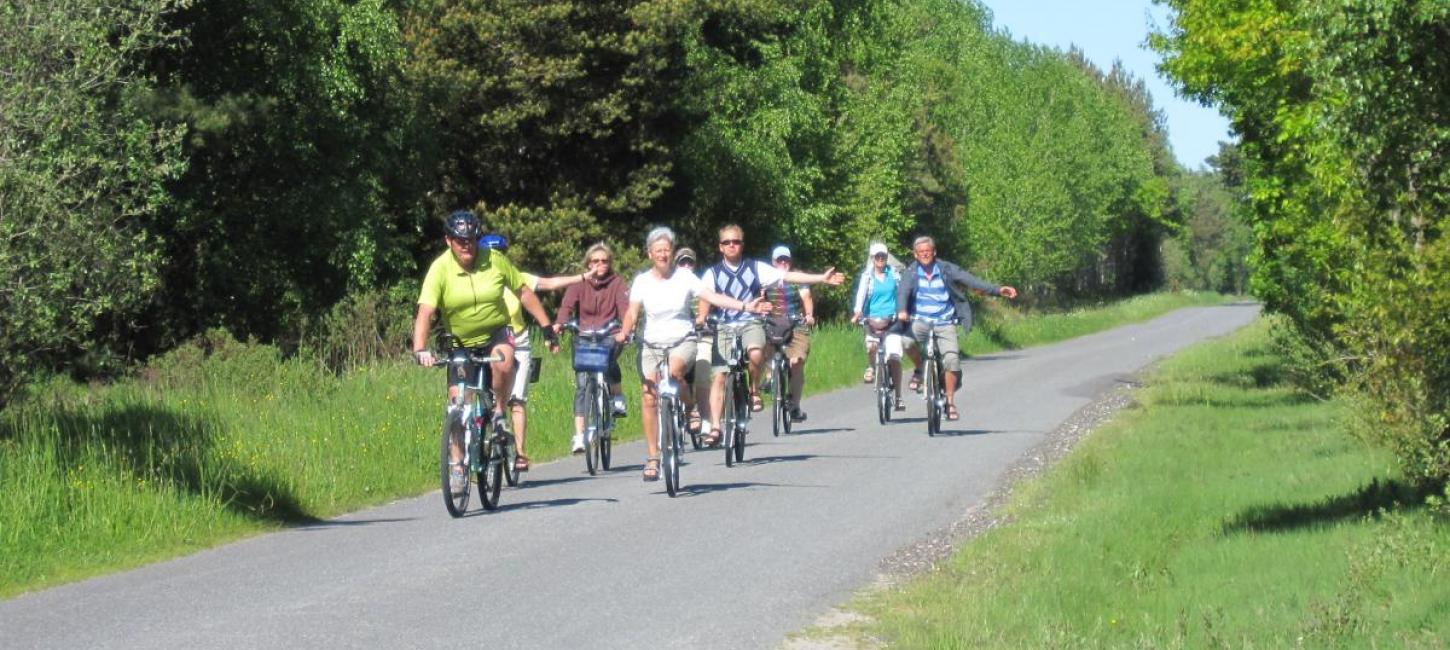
578, 443
618, 403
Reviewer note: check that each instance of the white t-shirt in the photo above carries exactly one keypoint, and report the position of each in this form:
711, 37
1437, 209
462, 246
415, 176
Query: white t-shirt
666, 303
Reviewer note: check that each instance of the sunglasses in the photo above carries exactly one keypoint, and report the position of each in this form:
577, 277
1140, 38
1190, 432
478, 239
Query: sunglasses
879, 256
731, 242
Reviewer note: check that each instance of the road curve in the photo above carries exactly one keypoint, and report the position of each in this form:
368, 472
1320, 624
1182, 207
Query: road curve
747, 555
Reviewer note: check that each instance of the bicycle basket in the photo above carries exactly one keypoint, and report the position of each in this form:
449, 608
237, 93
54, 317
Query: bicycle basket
591, 357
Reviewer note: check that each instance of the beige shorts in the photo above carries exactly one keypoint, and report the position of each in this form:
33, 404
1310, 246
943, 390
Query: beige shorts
800, 344
752, 336
651, 358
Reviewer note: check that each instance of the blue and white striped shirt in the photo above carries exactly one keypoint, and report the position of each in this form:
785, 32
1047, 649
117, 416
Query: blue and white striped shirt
933, 301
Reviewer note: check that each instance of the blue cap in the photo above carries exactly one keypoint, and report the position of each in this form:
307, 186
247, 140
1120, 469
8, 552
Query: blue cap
495, 241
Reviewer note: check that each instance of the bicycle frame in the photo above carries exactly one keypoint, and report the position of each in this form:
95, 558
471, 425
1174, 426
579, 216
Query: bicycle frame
736, 408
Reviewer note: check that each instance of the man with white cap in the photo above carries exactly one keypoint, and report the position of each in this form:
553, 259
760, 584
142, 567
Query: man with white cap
793, 301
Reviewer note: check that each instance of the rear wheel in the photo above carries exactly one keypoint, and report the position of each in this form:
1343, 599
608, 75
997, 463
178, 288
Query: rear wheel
457, 504
510, 455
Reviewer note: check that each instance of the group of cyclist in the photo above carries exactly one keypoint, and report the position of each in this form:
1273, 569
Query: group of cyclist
481, 297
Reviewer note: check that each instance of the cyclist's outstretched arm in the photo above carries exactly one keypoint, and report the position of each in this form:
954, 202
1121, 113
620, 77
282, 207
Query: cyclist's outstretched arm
830, 276
557, 282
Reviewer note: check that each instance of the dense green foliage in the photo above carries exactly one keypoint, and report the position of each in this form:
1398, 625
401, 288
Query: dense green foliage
283, 162
83, 171
1346, 147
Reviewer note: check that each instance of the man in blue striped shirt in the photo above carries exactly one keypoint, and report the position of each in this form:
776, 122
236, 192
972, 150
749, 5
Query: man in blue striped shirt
929, 297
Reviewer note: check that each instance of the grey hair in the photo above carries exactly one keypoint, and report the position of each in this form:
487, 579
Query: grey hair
924, 239
661, 232
598, 246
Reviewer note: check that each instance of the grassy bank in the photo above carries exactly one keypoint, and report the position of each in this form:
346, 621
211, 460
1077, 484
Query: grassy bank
1228, 511
222, 440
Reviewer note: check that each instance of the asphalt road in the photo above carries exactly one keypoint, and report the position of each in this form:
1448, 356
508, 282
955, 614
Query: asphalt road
745, 556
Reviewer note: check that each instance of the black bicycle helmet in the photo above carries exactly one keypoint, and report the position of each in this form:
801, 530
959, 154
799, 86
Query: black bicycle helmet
462, 224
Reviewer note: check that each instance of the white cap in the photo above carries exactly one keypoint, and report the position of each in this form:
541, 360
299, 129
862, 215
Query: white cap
779, 252
877, 247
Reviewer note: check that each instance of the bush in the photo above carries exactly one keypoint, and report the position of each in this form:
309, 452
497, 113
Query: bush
364, 327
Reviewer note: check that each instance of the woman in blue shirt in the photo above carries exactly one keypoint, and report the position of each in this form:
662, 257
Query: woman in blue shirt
876, 306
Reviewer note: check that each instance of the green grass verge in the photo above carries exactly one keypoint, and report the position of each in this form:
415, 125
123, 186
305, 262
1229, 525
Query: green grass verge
207, 447
1228, 511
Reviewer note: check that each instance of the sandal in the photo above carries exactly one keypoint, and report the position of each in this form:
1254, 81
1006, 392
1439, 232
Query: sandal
869, 377
915, 384
756, 404
693, 425
521, 463
652, 469
712, 439
952, 413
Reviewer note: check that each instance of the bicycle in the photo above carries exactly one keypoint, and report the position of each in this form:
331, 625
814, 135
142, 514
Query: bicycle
592, 351
780, 378
934, 380
735, 419
885, 385
669, 433
485, 449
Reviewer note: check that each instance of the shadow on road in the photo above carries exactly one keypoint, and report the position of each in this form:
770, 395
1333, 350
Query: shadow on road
769, 460
551, 503
710, 488
528, 483
324, 525
816, 432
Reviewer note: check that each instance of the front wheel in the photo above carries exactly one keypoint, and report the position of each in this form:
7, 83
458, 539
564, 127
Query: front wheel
933, 397
593, 429
669, 451
742, 420
455, 501
728, 422
780, 419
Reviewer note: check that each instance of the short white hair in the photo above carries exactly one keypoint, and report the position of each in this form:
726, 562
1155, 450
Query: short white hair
924, 239
661, 232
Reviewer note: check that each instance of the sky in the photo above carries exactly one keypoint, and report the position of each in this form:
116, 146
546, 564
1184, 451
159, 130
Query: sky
1117, 29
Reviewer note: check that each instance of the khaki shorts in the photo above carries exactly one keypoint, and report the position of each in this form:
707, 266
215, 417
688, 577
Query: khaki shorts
752, 335
800, 344
651, 358
946, 342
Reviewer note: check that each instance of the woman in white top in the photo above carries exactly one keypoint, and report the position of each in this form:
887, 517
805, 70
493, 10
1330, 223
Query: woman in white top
664, 297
